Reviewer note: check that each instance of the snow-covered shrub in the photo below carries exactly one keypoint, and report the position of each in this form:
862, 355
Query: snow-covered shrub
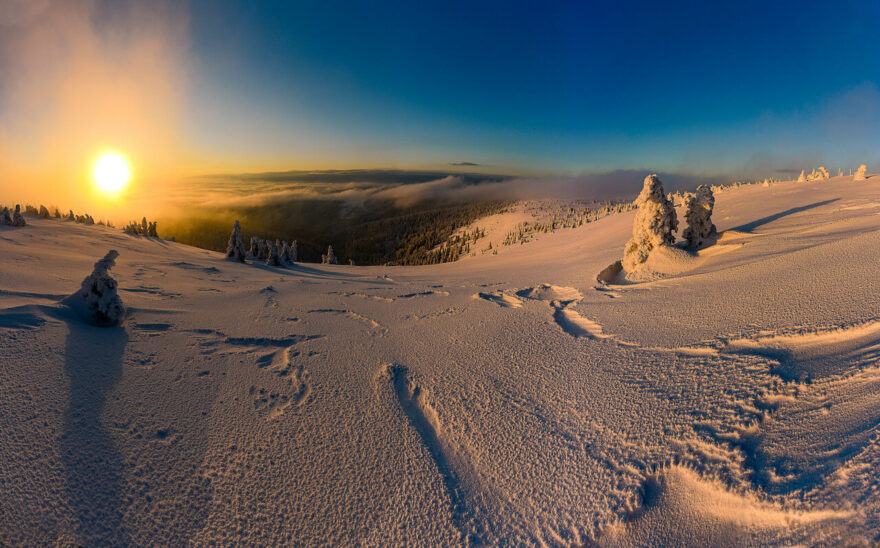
273, 258
235, 249
861, 173
97, 300
655, 223
17, 218
699, 217
330, 257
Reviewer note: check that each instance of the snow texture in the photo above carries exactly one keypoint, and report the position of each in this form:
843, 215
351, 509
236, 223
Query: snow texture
654, 225
700, 229
501, 400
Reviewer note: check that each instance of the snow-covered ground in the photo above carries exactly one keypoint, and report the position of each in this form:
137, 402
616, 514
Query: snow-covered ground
730, 398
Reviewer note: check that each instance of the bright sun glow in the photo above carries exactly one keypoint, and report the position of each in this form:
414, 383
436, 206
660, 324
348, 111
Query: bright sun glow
111, 172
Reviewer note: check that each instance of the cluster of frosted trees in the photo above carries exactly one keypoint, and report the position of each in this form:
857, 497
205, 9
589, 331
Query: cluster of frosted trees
143, 228
822, 174
277, 253
12, 218
656, 221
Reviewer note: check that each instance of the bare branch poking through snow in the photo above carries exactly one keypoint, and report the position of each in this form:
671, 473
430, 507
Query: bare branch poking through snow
97, 300
655, 223
699, 217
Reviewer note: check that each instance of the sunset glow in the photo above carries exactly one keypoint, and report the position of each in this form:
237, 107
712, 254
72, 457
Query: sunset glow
111, 172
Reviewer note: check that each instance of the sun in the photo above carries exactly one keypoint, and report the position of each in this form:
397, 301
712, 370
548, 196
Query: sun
111, 172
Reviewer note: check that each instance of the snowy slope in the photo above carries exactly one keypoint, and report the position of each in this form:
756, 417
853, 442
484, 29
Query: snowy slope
732, 398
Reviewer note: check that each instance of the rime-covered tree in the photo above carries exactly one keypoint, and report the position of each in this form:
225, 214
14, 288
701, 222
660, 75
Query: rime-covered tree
285, 253
151, 230
273, 258
802, 178
294, 254
44, 212
71, 216
254, 250
330, 257
655, 223
97, 300
57, 213
699, 217
6, 217
235, 249
17, 217
861, 174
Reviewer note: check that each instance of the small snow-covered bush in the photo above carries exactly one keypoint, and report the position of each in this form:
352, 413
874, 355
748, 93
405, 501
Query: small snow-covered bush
655, 223
861, 173
330, 257
699, 217
97, 300
235, 249
17, 217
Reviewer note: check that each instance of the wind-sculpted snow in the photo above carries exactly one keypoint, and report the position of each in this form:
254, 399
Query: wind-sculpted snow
727, 396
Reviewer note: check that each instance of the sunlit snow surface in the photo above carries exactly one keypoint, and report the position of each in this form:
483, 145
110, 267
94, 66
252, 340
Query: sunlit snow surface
728, 397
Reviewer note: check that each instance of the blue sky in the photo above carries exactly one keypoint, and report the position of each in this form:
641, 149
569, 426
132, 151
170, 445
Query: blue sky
556, 87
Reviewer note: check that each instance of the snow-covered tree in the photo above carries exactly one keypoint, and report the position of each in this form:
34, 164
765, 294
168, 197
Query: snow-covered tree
285, 252
861, 174
17, 217
273, 258
699, 217
6, 217
655, 223
294, 254
57, 213
44, 212
254, 250
97, 300
152, 231
330, 257
235, 249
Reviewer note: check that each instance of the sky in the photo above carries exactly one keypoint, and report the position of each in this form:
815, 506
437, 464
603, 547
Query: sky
549, 89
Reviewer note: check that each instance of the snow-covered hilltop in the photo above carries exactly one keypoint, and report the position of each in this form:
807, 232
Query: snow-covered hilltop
727, 395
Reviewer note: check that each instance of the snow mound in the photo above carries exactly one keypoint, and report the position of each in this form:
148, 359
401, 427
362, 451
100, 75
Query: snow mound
682, 508
500, 298
549, 292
